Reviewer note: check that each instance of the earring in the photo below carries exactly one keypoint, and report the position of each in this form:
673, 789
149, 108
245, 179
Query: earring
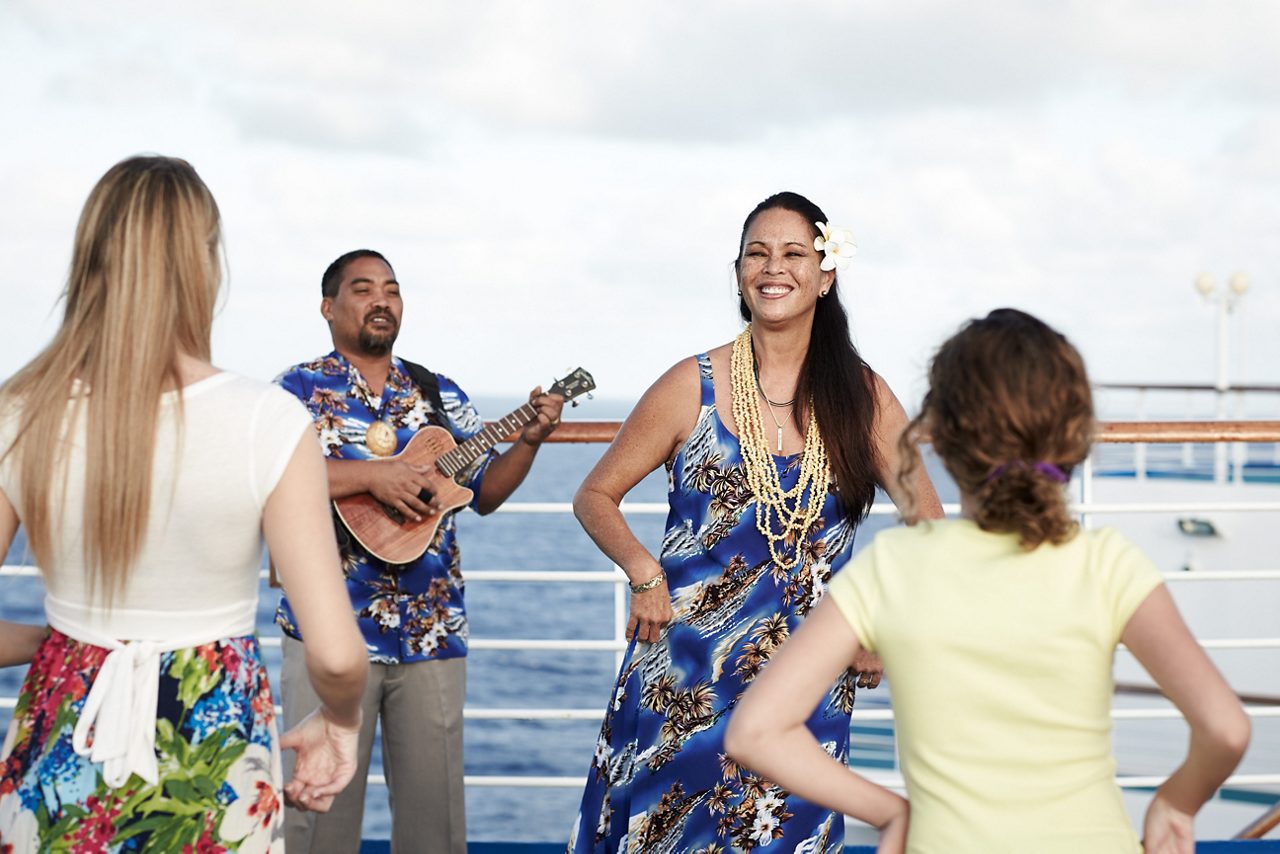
823, 294
739, 291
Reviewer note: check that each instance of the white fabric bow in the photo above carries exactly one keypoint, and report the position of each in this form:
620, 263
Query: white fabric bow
120, 711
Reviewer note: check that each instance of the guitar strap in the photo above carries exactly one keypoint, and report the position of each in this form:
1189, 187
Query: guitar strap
429, 384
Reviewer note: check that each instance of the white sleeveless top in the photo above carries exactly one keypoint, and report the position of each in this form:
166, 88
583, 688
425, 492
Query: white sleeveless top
196, 577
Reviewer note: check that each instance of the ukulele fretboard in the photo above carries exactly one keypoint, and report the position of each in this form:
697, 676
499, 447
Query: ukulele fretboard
469, 451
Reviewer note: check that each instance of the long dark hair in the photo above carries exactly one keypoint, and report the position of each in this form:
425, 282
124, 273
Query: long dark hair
835, 376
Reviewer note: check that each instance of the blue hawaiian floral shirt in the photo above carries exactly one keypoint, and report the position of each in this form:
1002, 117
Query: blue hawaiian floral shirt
407, 612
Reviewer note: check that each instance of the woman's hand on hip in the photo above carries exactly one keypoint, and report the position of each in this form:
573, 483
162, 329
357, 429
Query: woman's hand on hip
650, 613
867, 669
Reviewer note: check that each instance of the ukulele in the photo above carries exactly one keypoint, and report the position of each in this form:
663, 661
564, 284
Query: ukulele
388, 534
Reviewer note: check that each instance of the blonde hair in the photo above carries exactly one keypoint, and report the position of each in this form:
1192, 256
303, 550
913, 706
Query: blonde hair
1008, 396
142, 288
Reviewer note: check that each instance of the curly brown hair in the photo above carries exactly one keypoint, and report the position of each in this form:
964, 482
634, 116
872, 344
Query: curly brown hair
1006, 393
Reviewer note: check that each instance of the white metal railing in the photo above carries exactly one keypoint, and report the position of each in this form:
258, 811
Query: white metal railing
1085, 508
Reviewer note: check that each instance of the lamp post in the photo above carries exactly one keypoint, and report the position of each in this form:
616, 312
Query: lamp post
1225, 300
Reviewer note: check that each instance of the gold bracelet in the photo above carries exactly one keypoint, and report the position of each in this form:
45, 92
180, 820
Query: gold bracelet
650, 584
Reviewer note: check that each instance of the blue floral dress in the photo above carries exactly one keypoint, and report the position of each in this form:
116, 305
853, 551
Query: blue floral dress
216, 750
660, 780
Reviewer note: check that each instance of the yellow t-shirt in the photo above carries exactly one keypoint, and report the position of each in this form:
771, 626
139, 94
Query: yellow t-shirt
999, 664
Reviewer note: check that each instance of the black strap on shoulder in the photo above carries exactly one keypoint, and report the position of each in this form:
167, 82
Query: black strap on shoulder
429, 384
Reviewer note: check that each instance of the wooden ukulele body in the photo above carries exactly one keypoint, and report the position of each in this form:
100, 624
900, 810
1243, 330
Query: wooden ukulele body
387, 534
392, 537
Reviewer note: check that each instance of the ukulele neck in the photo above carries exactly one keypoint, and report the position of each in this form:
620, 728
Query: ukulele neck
469, 451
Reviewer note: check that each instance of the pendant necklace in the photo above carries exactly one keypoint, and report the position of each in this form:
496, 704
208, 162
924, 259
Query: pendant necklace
380, 439
379, 436
776, 422
755, 369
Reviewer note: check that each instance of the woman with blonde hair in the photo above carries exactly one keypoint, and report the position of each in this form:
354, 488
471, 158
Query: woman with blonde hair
998, 631
145, 479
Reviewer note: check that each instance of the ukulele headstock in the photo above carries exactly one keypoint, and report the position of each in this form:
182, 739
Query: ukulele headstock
573, 385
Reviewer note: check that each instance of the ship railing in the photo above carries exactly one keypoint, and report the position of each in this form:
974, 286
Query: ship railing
1227, 461
1110, 433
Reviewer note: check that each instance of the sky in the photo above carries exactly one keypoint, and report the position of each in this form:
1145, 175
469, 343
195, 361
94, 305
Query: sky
564, 183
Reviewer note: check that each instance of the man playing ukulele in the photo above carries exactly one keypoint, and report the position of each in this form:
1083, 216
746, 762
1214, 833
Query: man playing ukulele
367, 404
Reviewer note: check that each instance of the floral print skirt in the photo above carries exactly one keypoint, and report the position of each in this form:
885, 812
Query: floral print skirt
660, 782
220, 780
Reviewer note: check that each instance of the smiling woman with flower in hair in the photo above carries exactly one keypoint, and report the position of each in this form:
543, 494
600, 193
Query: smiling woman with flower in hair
775, 444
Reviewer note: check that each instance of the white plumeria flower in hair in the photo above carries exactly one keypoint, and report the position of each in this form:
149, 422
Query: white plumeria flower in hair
837, 245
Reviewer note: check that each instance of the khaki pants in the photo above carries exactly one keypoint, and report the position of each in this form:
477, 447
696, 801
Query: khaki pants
420, 706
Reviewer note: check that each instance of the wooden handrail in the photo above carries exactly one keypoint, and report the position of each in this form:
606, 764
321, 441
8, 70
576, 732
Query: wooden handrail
1109, 432
1262, 826
575, 431
1122, 432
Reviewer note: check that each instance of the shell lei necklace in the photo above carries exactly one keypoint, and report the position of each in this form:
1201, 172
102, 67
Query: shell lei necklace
796, 509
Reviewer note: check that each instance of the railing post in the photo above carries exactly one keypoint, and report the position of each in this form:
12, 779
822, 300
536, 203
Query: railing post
1220, 448
1086, 490
1188, 450
1140, 448
1239, 451
619, 616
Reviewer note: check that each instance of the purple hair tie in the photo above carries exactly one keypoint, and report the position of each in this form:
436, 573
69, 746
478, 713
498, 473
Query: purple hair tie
1049, 470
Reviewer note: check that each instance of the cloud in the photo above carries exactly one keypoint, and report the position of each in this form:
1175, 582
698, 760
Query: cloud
719, 70
712, 71
563, 184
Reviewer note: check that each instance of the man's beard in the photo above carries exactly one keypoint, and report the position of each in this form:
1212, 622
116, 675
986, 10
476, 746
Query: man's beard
377, 343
